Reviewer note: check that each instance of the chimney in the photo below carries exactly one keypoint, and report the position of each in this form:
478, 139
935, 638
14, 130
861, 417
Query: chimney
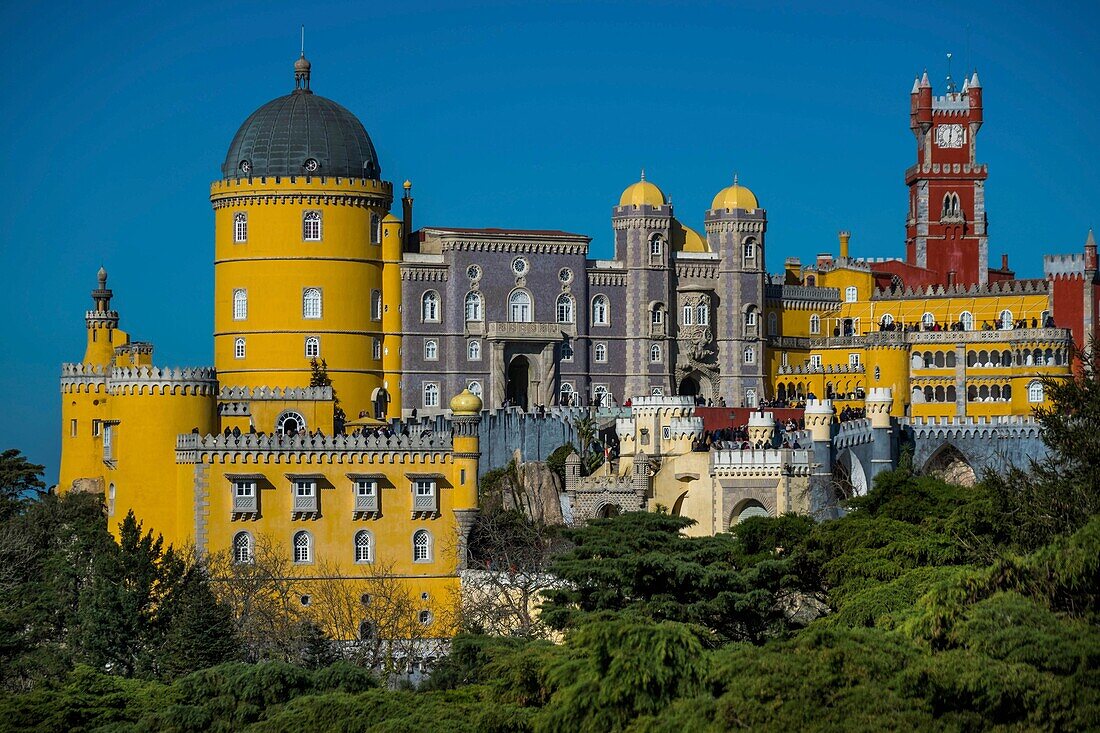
824, 259
950, 278
844, 237
1090, 253
1004, 262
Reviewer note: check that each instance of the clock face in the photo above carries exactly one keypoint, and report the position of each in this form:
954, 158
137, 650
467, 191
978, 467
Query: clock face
950, 136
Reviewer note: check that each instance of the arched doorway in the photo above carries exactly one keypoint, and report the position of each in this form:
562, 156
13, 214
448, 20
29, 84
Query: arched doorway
608, 510
689, 387
748, 508
380, 400
949, 465
519, 378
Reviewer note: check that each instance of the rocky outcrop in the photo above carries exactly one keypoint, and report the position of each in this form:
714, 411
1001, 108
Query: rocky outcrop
535, 490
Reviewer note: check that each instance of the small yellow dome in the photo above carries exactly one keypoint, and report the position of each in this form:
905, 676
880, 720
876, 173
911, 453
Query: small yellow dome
390, 217
735, 197
686, 239
466, 403
642, 193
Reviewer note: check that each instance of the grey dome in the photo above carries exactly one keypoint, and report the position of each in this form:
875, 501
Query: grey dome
301, 134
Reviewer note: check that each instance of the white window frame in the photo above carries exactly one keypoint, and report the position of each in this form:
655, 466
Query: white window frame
656, 354
688, 315
366, 488
1005, 320
429, 394
565, 309
249, 548
376, 305
601, 310
375, 229
312, 303
430, 307
475, 388
304, 488
851, 294
240, 227
240, 348
240, 304
657, 315
311, 225
815, 324
473, 350
599, 353
376, 348
302, 553
1035, 392
815, 361
474, 306
315, 351
363, 551
853, 359
422, 550
702, 313
927, 320
521, 306
431, 350
749, 354
656, 246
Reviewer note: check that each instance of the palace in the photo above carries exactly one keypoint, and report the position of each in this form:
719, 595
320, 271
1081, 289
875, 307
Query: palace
340, 465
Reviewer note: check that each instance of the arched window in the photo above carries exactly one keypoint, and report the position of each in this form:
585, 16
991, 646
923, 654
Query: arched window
238, 349
429, 307
600, 353
519, 307
773, 324
473, 350
702, 313
655, 353
657, 314
376, 305
431, 350
431, 394
565, 308
928, 320
1006, 319
601, 396
311, 226
600, 311
290, 423
689, 316
364, 546
750, 397
422, 546
887, 320
475, 388
240, 227
313, 347
375, 229
567, 350
473, 306
966, 318
240, 304
311, 303
376, 348
1035, 392
242, 548
303, 547
565, 394
851, 294
750, 317
748, 251
750, 355
815, 324
656, 246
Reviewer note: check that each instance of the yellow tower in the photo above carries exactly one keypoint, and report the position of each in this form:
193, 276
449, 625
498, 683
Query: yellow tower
298, 268
465, 417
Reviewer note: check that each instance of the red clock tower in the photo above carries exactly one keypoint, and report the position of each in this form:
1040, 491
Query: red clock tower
946, 228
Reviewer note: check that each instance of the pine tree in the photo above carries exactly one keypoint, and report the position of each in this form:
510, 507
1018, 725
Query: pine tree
199, 631
319, 378
18, 478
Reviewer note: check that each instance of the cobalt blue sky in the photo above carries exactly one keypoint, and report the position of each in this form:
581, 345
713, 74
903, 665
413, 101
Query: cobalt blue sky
512, 114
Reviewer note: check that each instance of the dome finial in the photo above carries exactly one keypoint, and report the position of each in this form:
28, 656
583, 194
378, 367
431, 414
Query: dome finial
643, 174
301, 68
102, 277
735, 178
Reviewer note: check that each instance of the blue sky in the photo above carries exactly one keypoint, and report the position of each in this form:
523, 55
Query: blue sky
514, 114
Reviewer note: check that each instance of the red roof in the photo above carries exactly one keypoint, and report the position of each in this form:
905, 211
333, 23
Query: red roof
495, 230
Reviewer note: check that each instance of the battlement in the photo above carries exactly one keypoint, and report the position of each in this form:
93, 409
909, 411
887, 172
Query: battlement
662, 402
278, 394
765, 462
819, 407
1071, 264
826, 369
83, 378
289, 184
1004, 287
880, 394
167, 380
606, 482
811, 293
352, 449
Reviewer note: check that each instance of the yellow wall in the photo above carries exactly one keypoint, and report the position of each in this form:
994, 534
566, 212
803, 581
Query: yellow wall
274, 266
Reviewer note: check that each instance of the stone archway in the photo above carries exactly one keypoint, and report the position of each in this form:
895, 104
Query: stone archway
608, 510
745, 509
950, 465
850, 477
689, 386
519, 382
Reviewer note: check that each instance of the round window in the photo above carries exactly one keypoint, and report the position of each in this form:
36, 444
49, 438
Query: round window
473, 272
519, 265
306, 600
426, 617
245, 166
311, 165
565, 275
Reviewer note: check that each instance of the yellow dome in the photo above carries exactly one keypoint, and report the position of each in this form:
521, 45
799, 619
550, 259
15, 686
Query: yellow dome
642, 192
466, 403
735, 197
390, 217
686, 239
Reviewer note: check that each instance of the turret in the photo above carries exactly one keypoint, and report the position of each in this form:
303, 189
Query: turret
844, 236
465, 421
1090, 255
761, 428
924, 105
102, 325
878, 403
974, 94
819, 421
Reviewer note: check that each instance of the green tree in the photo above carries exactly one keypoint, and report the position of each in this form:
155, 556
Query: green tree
19, 478
199, 629
319, 378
